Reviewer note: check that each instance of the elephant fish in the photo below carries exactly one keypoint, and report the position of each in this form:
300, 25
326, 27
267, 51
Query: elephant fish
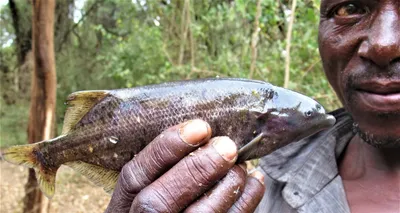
104, 129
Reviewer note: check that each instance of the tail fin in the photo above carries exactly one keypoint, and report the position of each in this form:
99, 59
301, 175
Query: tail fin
25, 155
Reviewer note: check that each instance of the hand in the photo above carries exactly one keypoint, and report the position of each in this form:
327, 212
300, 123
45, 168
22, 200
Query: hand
179, 171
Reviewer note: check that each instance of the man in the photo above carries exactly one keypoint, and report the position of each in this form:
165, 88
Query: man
352, 167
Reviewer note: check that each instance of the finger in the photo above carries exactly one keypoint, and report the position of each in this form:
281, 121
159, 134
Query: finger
188, 179
224, 194
156, 158
251, 195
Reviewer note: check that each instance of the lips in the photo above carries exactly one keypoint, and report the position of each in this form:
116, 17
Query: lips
382, 87
380, 96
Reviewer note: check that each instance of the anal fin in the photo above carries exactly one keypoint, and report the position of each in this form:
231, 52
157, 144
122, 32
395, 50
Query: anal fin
100, 176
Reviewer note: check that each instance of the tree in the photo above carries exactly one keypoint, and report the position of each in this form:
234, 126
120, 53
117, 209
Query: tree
43, 93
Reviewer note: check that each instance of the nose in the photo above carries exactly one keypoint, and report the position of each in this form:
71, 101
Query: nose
383, 44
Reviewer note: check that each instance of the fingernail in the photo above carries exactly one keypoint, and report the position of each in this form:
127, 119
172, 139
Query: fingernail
258, 175
195, 132
225, 147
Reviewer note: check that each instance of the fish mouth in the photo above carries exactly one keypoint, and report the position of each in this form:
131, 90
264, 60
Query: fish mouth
326, 121
329, 121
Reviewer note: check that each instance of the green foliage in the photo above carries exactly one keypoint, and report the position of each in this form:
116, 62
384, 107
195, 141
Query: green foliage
120, 44
13, 124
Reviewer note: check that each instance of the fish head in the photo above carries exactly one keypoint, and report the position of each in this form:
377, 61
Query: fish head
287, 117
295, 115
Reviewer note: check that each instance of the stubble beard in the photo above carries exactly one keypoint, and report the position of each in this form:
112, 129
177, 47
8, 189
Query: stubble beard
378, 141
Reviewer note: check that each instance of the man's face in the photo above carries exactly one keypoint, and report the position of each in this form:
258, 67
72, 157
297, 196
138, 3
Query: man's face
360, 49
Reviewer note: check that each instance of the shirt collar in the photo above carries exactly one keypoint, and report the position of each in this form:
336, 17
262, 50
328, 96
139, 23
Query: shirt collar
308, 165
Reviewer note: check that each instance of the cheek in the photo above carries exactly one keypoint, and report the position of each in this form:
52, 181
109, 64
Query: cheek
332, 61
338, 46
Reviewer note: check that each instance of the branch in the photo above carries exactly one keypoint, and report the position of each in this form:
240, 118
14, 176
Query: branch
288, 44
91, 8
210, 72
78, 36
14, 16
184, 30
254, 39
191, 40
310, 68
164, 48
115, 33
15, 19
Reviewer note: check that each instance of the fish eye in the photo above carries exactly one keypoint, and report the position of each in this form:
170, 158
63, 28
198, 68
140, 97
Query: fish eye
308, 113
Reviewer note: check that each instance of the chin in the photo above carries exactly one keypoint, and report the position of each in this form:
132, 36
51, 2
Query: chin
378, 134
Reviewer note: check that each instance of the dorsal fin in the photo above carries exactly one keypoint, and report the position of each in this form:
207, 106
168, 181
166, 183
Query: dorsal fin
79, 103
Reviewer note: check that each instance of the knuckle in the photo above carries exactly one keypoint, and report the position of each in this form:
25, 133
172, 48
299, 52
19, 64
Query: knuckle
167, 146
165, 149
247, 201
243, 204
128, 178
142, 204
149, 200
239, 207
201, 172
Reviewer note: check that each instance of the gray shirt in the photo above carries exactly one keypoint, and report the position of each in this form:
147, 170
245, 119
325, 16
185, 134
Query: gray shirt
303, 176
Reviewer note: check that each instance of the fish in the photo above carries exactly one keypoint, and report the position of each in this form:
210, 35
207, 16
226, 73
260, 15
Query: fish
104, 129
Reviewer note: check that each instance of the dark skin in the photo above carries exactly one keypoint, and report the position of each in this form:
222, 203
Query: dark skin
183, 170
360, 49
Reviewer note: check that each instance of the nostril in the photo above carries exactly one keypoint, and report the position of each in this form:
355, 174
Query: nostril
381, 57
380, 49
395, 60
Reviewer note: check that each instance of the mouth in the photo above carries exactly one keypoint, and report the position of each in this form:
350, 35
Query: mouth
382, 96
326, 121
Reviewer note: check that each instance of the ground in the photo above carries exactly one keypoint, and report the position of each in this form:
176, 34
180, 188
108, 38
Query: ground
74, 193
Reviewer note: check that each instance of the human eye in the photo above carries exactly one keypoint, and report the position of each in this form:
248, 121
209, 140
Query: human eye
349, 9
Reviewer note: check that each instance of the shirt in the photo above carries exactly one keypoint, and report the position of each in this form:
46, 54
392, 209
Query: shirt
304, 177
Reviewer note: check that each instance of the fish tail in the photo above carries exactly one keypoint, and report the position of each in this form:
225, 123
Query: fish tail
27, 155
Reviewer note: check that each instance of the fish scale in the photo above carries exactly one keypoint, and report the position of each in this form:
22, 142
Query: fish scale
105, 129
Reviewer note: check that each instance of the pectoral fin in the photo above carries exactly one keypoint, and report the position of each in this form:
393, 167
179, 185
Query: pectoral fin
249, 148
79, 103
98, 175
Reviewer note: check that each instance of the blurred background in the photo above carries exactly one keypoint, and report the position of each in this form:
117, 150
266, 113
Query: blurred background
107, 44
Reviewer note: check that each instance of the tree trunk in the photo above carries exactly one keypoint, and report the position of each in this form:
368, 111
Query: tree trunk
22, 32
16, 82
43, 93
